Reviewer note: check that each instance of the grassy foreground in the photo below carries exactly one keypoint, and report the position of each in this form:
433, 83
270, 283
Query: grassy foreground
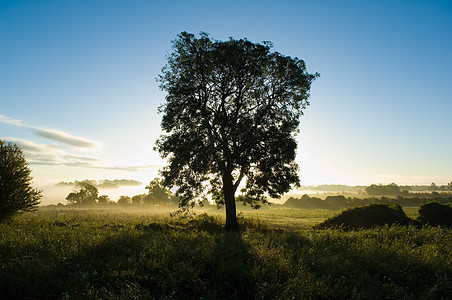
105, 255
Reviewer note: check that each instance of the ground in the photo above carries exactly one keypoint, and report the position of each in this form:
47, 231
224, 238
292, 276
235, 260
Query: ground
83, 254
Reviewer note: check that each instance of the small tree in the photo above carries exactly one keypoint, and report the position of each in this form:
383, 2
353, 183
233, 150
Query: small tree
85, 193
157, 193
103, 200
433, 187
231, 113
16, 192
138, 199
124, 200
383, 190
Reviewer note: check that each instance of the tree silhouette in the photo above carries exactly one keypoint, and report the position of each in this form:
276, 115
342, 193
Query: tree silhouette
16, 192
124, 200
383, 190
157, 193
138, 199
231, 112
103, 200
85, 193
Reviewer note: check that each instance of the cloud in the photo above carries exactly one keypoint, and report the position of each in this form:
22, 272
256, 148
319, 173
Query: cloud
65, 138
8, 120
53, 134
30, 146
38, 154
56, 155
78, 157
44, 159
144, 168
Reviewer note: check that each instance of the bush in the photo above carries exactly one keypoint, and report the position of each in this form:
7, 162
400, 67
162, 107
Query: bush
435, 213
16, 192
368, 216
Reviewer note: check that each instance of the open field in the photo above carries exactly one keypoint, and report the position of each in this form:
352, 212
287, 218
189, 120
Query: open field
81, 254
277, 216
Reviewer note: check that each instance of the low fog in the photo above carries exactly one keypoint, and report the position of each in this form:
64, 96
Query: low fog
54, 194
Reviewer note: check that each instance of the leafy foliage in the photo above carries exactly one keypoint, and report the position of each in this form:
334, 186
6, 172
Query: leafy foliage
435, 213
85, 193
231, 113
367, 217
138, 199
158, 194
16, 191
103, 200
124, 200
383, 190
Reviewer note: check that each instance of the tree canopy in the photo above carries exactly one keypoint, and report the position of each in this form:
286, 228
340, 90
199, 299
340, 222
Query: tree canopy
85, 193
124, 200
383, 190
16, 191
231, 113
157, 194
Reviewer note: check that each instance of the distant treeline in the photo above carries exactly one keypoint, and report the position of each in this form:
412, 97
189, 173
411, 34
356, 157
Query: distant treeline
86, 193
426, 188
333, 188
378, 189
116, 183
341, 202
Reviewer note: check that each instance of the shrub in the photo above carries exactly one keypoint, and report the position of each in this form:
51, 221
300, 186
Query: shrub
16, 192
435, 213
368, 216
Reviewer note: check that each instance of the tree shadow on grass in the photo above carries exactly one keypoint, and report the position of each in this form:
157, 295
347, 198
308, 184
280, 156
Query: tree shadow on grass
164, 261
150, 262
91, 272
232, 270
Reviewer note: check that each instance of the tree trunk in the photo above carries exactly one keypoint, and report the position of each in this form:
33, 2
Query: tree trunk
229, 200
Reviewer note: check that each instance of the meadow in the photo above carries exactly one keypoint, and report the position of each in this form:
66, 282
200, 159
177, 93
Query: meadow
116, 254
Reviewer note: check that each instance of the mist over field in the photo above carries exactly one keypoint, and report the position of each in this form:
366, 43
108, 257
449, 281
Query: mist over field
57, 193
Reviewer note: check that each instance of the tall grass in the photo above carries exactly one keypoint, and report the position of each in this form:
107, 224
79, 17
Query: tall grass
101, 255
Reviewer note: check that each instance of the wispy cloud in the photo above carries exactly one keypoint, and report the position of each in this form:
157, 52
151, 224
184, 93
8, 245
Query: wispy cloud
44, 159
30, 146
53, 155
144, 168
58, 155
8, 120
53, 134
65, 138
79, 157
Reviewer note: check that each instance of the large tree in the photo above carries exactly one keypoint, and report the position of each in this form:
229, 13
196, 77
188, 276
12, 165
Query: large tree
16, 191
232, 110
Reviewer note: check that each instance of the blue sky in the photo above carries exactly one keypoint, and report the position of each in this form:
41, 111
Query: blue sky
78, 89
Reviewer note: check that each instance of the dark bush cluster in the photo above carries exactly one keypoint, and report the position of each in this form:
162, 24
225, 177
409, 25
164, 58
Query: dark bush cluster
367, 217
373, 215
434, 213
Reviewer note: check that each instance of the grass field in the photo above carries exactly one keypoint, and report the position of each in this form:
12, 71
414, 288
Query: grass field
292, 218
81, 254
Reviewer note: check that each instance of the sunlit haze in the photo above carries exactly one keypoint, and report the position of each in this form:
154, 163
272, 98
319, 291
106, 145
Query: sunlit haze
78, 90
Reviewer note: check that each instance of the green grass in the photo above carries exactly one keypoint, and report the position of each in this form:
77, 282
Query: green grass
292, 218
57, 254
279, 217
